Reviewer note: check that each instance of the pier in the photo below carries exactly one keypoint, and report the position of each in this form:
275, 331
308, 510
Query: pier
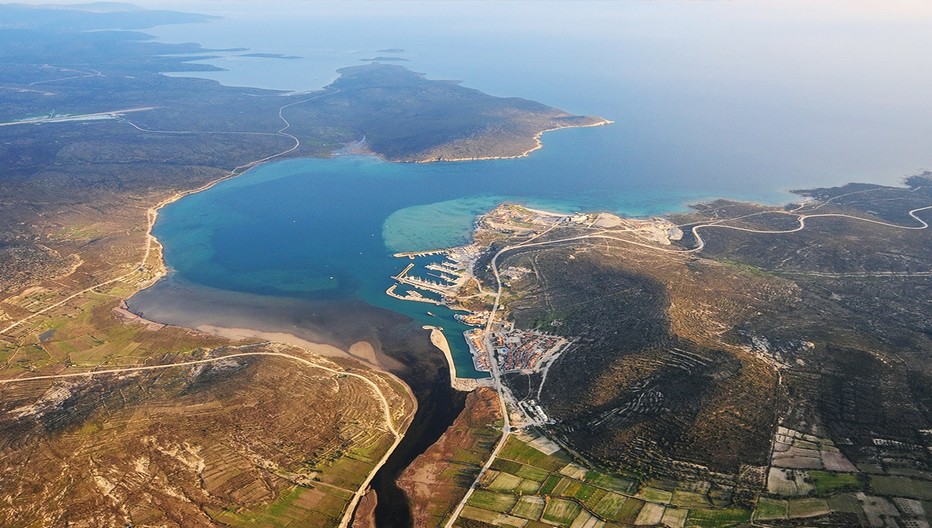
410, 296
412, 254
444, 268
403, 272
424, 284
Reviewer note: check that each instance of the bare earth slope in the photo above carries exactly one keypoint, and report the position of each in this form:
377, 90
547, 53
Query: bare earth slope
749, 362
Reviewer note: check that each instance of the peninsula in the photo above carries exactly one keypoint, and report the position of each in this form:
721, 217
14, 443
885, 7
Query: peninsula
709, 368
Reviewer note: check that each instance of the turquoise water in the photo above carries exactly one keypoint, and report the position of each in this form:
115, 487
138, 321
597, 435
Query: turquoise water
325, 230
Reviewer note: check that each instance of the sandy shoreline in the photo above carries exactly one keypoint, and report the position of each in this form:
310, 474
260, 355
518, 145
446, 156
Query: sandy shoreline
537, 140
440, 341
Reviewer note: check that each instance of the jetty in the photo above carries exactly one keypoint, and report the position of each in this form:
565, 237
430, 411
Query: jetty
429, 285
443, 267
410, 296
403, 272
412, 254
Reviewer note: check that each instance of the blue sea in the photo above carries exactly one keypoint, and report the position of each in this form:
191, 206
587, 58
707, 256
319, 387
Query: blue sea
743, 100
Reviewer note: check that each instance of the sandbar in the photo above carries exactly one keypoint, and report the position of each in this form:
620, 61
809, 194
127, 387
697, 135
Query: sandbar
440, 341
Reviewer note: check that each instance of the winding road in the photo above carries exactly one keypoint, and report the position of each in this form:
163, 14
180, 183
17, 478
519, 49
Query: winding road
152, 216
700, 244
801, 218
152, 212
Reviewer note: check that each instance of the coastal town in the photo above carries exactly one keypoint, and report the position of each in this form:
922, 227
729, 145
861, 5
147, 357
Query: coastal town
515, 349
445, 277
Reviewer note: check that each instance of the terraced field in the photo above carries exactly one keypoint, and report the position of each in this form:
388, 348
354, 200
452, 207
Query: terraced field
528, 487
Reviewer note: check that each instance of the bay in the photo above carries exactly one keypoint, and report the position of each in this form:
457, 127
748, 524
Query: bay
325, 230
743, 100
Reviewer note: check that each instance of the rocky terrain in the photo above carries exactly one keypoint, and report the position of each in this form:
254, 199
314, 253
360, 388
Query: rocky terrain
756, 346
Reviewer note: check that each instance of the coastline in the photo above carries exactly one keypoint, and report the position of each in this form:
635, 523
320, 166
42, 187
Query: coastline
160, 268
537, 140
440, 342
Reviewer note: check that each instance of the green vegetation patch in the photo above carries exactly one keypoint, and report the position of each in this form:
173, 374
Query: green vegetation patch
826, 482
529, 507
689, 499
550, 484
629, 511
488, 500
584, 492
507, 466
520, 451
533, 473
528, 486
561, 486
609, 482
571, 489
718, 518
505, 482
848, 503
561, 511
901, 487
478, 514
770, 509
295, 506
594, 499
655, 495
346, 472
610, 505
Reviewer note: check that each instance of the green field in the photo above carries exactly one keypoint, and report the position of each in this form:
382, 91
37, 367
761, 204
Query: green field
718, 518
505, 482
533, 489
295, 506
561, 511
770, 509
487, 500
529, 507
609, 506
519, 451
532, 473
689, 499
609, 482
901, 487
655, 495
826, 482
629, 511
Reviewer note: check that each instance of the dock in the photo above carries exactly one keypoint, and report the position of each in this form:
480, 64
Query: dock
444, 268
410, 296
413, 254
431, 286
403, 272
